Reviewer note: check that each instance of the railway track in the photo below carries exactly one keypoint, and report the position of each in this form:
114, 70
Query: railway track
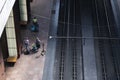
74, 52
107, 56
69, 57
70, 62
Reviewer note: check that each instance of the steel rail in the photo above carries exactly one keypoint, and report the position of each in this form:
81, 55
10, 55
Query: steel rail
106, 13
74, 60
74, 47
102, 57
62, 56
68, 20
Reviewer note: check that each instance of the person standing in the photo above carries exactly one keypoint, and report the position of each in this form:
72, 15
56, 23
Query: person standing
26, 43
35, 24
34, 48
38, 43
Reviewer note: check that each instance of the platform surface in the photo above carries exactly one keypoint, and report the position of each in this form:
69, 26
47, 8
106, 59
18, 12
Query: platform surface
30, 67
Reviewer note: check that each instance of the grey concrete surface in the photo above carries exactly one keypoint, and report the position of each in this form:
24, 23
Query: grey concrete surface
49, 70
30, 67
89, 60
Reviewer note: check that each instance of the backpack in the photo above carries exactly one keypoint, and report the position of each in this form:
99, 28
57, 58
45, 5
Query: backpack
32, 28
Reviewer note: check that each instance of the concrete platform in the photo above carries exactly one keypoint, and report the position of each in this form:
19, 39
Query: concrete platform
30, 67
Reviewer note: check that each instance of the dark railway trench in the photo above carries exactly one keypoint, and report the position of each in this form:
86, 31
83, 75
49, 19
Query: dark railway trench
87, 41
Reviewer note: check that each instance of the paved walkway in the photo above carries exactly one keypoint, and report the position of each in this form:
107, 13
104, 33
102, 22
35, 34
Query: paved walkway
30, 67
